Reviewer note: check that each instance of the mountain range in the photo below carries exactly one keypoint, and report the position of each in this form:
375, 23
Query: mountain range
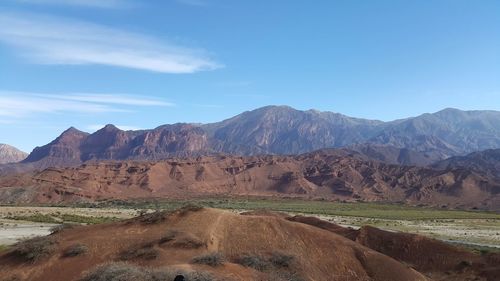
449, 158
282, 130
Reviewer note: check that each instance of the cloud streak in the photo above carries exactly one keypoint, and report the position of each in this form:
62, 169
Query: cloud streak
51, 40
104, 4
111, 99
16, 105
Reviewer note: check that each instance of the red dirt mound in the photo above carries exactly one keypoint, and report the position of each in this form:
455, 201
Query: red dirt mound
344, 231
247, 248
435, 258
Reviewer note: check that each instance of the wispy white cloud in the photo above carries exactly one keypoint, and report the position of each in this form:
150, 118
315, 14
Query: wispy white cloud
106, 4
51, 40
16, 105
112, 99
97, 127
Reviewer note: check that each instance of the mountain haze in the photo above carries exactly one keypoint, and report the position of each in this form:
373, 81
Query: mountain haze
486, 162
445, 133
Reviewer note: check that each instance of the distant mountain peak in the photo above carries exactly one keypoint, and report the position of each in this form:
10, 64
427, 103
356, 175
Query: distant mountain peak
70, 134
110, 127
72, 130
10, 154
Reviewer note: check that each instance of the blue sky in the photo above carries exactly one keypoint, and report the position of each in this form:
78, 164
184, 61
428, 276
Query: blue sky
140, 64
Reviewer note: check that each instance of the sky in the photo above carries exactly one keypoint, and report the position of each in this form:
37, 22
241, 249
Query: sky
142, 63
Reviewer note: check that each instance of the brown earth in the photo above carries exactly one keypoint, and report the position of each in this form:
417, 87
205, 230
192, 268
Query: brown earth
314, 254
316, 249
434, 258
328, 174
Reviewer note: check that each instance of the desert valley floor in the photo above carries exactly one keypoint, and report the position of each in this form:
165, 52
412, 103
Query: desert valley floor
466, 246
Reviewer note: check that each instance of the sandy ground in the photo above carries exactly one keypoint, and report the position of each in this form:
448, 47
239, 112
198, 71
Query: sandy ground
92, 212
481, 232
13, 231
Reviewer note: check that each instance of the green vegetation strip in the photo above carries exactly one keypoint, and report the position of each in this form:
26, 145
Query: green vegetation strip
327, 208
3, 248
367, 210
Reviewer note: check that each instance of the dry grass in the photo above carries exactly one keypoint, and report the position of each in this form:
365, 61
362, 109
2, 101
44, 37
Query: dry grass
279, 259
169, 236
253, 261
285, 276
182, 240
211, 259
278, 265
61, 227
35, 249
189, 208
276, 260
75, 250
118, 272
126, 272
143, 251
154, 218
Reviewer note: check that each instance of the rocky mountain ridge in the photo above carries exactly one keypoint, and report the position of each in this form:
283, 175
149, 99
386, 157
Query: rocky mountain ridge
325, 174
283, 130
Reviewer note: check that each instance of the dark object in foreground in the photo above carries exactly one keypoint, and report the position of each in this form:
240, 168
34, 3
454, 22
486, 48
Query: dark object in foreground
179, 278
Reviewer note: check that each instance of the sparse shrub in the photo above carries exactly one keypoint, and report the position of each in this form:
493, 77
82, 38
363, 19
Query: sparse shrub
183, 240
3, 248
75, 250
253, 261
145, 251
276, 261
285, 276
281, 260
116, 272
126, 272
154, 218
86, 219
211, 259
188, 241
463, 264
61, 227
484, 251
169, 236
190, 208
35, 249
